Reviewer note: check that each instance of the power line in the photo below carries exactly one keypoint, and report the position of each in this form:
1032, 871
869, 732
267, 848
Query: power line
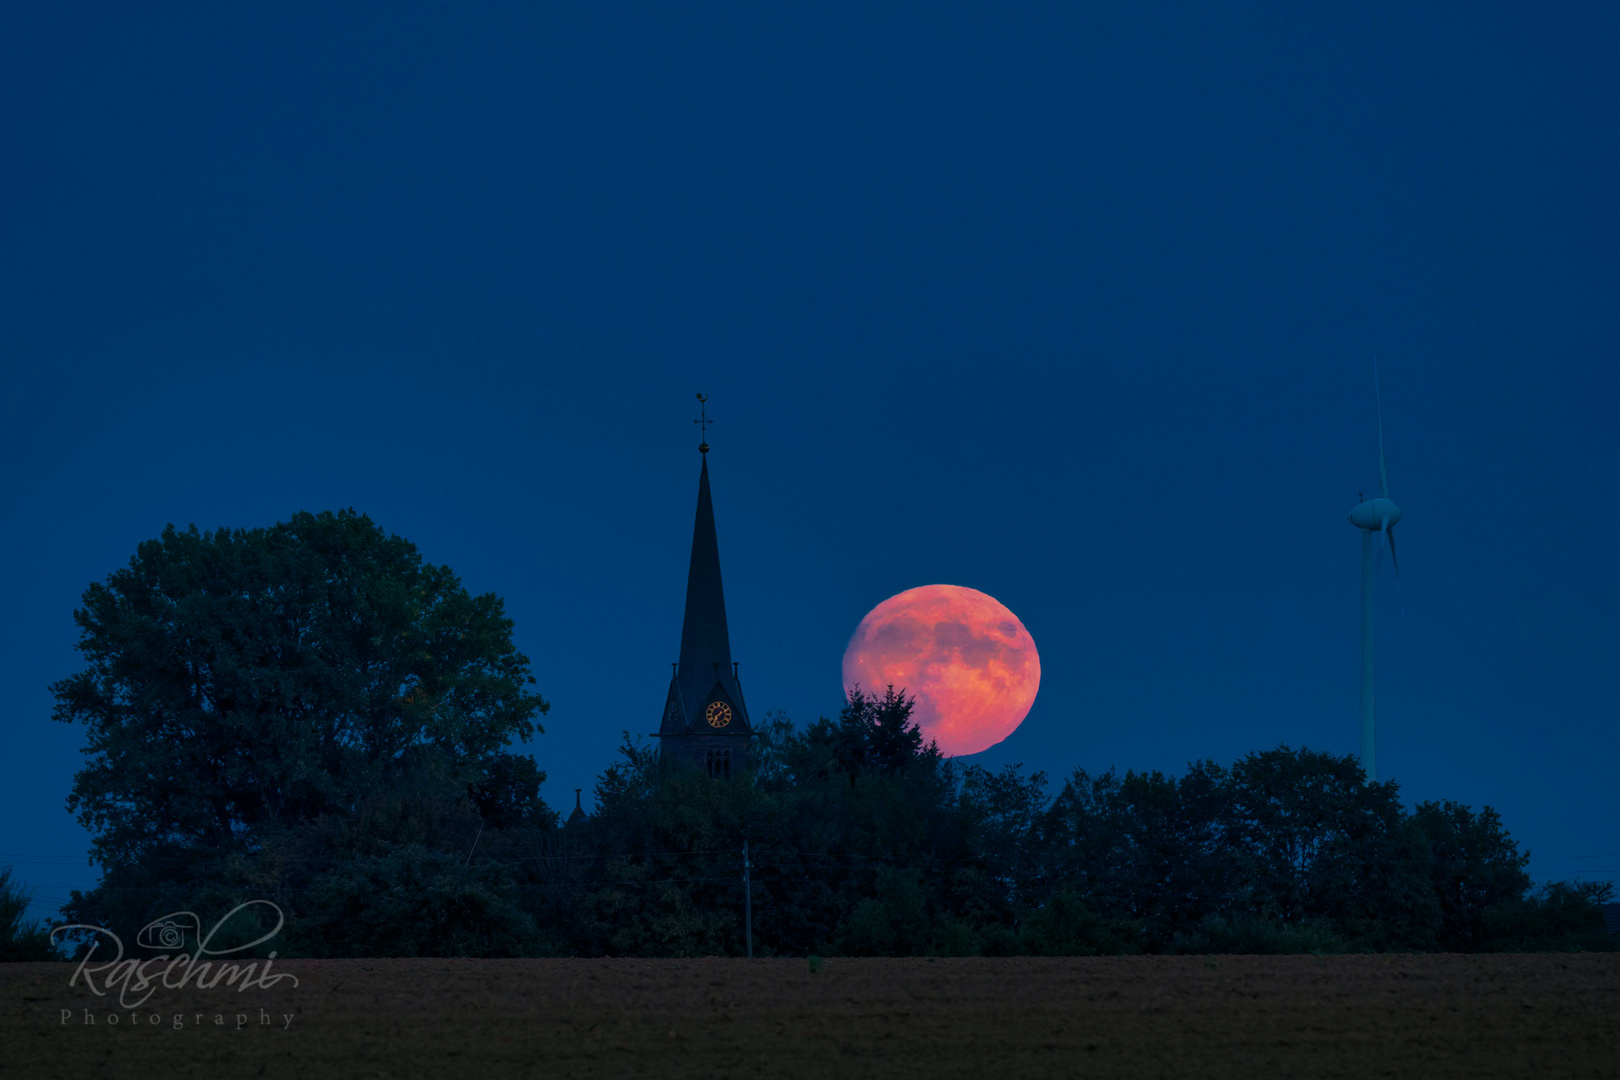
1553, 858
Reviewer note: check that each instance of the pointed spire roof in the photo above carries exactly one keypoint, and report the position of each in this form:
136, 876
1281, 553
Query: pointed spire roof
705, 641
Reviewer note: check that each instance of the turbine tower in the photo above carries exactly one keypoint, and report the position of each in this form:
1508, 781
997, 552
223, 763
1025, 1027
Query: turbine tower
1373, 516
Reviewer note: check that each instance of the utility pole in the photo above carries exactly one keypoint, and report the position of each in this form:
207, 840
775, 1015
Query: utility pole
1369, 745
748, 902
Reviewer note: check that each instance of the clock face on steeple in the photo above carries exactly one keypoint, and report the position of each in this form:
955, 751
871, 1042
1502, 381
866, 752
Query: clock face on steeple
718, 714
672, 715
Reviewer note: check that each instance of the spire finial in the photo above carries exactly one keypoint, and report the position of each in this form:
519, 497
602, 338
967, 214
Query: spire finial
703, 423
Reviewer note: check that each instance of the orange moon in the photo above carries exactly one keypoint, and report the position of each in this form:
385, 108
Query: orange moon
968, 661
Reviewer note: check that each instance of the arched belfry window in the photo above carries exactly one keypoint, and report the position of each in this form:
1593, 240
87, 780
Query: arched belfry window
719, 764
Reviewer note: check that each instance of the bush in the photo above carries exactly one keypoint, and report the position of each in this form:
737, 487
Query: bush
1559, 917
1248, 935
1066, 926
20, 940
892, 923
414, 902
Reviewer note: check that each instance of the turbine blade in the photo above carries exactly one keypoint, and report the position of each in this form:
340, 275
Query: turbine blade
1396, 563
1378, 402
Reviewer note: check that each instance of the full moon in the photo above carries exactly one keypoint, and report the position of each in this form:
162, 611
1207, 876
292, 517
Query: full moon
968, 661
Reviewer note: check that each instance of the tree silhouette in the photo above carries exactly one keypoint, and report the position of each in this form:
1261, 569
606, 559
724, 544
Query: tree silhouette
877, 734
244, 686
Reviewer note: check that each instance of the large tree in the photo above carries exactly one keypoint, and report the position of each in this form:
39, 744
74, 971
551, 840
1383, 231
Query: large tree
243, 684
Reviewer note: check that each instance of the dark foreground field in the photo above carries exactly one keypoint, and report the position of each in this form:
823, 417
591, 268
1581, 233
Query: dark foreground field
1418, 1016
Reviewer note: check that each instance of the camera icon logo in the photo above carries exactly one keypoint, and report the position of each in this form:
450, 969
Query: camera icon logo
169, 932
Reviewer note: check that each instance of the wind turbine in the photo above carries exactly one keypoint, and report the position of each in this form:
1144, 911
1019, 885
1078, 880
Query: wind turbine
1373, 516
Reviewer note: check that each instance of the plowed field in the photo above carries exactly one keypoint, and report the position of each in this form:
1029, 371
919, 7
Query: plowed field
1404, 1016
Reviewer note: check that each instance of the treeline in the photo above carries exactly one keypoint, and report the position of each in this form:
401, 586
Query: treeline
310, 714
863, 841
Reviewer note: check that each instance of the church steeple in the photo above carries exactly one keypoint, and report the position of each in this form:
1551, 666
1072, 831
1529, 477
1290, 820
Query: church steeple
705, 642
705, 721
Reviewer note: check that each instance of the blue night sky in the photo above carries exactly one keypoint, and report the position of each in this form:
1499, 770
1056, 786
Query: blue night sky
1077, 308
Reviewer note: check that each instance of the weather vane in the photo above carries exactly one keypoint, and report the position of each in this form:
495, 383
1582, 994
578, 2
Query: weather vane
703, 423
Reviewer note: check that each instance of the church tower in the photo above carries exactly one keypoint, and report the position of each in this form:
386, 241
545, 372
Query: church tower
705, 722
